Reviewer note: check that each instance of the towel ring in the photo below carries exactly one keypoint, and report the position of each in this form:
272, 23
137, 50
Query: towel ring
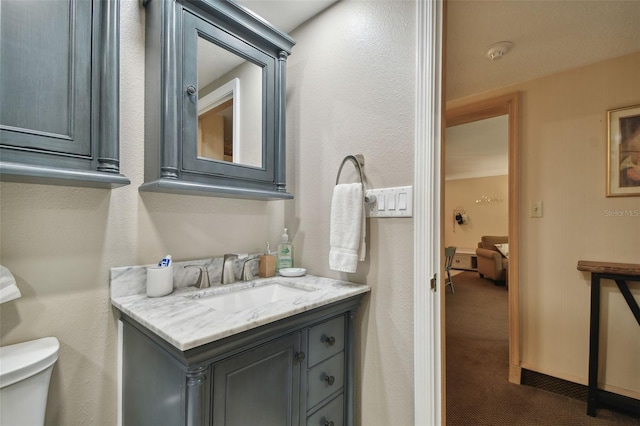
358, 162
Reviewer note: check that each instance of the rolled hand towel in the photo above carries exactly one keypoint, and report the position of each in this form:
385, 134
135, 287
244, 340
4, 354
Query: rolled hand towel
347, 232
8, 288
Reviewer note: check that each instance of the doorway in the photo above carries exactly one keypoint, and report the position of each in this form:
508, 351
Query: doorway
474, 112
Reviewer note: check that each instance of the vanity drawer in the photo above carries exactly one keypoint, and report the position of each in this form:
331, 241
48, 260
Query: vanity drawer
331, 414
325, 379
326, 339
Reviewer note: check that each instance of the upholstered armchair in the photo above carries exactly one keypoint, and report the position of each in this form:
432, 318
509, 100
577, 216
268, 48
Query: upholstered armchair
492, 263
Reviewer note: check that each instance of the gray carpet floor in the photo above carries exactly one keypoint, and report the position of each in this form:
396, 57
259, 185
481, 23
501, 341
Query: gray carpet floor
477, 357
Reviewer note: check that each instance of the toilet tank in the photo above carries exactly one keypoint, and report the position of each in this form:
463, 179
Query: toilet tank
25, 370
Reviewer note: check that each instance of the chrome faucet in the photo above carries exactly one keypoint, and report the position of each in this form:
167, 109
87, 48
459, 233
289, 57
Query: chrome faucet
203, 278
247, 272
228, 274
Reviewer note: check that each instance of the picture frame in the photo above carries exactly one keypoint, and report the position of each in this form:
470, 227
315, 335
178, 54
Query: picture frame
623, 152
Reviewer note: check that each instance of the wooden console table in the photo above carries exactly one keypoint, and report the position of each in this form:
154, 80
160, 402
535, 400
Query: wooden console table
621, 273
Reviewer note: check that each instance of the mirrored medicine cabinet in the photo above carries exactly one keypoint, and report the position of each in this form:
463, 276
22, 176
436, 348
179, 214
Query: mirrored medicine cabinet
215, 100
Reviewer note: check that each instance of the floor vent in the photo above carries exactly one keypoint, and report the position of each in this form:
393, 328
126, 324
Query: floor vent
553, 384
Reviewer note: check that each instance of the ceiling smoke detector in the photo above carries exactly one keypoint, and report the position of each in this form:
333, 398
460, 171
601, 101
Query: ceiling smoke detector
498, 50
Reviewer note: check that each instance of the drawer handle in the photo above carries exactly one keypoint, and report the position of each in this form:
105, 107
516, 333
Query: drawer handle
330, 380
300, 356
330, 340
191, 90
329, 423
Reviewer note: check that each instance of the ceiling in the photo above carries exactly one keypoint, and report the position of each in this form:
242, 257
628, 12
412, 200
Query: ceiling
477, 149
286, 15
548, 37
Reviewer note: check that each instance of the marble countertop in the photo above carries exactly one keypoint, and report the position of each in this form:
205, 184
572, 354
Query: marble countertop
180, 320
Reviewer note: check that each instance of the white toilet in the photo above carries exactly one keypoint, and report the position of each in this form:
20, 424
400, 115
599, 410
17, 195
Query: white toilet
25, 370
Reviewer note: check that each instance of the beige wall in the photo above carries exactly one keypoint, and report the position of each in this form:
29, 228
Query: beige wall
350, 90
484, 219
563, 145
60, 242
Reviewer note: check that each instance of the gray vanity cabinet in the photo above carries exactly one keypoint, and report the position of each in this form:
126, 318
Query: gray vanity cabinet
59, 73
296, 371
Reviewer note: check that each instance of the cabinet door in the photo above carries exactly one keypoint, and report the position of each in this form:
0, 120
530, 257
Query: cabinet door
260, 386
46, 75
198, 33
59, 83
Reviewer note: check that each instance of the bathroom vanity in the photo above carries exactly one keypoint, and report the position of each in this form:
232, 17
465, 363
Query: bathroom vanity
188, 361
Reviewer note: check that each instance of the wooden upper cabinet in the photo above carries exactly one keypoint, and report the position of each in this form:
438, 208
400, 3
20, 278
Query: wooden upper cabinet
59, 78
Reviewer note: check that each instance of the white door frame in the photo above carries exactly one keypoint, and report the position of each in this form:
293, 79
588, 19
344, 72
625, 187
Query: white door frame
426, 305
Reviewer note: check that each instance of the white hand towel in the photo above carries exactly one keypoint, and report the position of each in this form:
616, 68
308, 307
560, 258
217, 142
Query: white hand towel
8, 288
346, 239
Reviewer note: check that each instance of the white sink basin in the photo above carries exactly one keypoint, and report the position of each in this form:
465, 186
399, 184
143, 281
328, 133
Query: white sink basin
249, 298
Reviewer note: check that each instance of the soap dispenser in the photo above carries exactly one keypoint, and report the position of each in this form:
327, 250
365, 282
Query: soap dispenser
267, 264
285, 253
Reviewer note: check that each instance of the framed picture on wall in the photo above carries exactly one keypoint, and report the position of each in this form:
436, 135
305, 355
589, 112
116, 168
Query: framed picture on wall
623, 152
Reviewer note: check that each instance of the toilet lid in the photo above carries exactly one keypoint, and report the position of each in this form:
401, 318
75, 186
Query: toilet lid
23, 360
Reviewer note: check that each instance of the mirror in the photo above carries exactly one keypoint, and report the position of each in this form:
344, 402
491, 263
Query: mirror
229, 106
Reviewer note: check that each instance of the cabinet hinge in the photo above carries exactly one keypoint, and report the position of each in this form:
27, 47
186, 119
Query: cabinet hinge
433, 282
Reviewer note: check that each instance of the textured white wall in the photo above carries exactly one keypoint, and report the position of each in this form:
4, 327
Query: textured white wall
350, 90
563, 152
60, 243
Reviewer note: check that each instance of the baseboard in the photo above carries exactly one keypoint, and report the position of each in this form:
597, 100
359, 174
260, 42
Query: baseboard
554, 384
578, 391
630, 393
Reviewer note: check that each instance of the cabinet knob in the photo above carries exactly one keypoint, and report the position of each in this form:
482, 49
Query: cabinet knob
330, 380
300, 356
329, 423
330, 340
191, 90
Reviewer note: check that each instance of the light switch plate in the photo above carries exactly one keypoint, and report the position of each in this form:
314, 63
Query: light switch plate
536, 209
396, 202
